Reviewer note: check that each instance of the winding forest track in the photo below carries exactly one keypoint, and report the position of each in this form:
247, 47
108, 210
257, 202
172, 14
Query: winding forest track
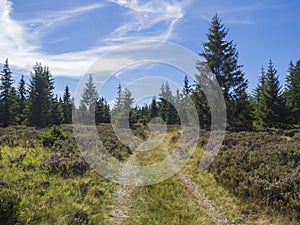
123, 196
122, 201
203, 201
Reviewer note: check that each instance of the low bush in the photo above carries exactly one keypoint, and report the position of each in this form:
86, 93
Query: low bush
56, 133
263, 167
9, 206
27, 137
79, 218
64, 166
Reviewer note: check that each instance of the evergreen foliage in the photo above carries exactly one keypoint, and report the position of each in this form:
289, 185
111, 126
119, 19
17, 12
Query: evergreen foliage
269, 108
67, 105
5, 91
153, 108
167, 109
40, 97
88, 101
222, 58
22, 102
102, 113
292, 93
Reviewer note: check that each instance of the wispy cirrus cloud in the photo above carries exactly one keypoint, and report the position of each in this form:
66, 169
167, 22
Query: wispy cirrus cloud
233, 13
12, 33
22, 41
50, 20
146, 16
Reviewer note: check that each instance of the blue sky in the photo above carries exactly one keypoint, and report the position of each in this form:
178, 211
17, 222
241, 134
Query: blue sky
69, 36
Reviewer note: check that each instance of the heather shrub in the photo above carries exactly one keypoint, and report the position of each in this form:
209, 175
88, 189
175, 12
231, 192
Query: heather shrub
9, 206
79, 218
261, 166
65, 166
20, 136
56, 133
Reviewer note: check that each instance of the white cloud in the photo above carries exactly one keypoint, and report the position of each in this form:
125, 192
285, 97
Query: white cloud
56, 19
231, 12
23, 47
144, 16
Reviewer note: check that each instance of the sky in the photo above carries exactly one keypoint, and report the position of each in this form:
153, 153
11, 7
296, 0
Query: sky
69, 36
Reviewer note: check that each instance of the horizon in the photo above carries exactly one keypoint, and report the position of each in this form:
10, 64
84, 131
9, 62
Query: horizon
47, 32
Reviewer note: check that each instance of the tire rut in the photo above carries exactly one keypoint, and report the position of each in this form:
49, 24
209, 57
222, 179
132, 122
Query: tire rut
203, 201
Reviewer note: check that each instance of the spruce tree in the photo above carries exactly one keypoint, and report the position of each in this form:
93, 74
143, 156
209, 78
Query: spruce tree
102, 112
269, 111
88, 101
167, 110
222, 58
126, 106
142, 115
117, 106
184, 104
153, 108
67, 106
201, 104
5, 91
57, 111
187, 88
13, 106
122, 109
21, 118
259, 102
40, 97
106, 109
181, 108
163, 103
292, 93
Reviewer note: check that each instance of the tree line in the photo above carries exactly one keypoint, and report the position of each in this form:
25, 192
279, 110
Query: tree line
269, 105
33, 104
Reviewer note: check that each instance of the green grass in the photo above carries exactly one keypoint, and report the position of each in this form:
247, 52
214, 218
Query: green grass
237, 211
29, 194
165, 203
51, 199
170, 202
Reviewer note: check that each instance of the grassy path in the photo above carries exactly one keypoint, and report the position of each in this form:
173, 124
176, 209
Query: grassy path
122, 200
203, 201
191, 197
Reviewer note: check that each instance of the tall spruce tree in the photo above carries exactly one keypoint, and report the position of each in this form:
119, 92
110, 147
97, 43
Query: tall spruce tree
201, 104
40, 96
222, 58
117, 106
126, 106
145, 114
5, 91
67, 106
292, 93
259, 106
102, 112
166, 104
21, 118
122, 108
180, 107
88, 101
187, 88
163, 102
185, 106
57, 111
13, 106
269, 111
153, 108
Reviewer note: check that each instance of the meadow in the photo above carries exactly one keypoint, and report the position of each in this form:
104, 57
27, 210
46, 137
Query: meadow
45, 180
